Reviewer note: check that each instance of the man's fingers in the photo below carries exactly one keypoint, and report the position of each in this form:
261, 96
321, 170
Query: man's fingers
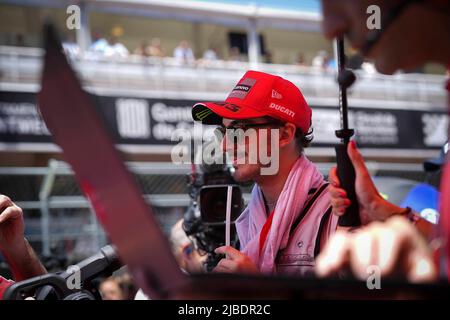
389, 250
222, 266
221, 269
339, 206
227, 264
230, 252
362, 254
334, 256
338, 203
220, 250
11, 212
356, 158
333, 177
5, 202
422, 269
337, 192
417, 259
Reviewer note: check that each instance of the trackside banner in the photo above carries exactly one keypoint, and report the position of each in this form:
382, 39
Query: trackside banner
142, 121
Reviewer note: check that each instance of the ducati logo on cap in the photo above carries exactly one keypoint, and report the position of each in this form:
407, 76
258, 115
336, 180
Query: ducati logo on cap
242, 88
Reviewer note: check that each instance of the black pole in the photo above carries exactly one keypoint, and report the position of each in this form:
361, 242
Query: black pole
345, 169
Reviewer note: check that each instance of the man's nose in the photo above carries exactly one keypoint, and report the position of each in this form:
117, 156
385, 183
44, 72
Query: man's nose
227, 143
223, 143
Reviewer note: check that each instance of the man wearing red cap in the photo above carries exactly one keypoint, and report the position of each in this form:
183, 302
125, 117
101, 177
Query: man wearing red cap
288, 218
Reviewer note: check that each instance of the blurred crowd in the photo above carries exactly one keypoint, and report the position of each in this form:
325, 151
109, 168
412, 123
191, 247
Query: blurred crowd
183, 54
112, 46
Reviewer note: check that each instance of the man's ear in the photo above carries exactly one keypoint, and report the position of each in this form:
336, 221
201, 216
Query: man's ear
287, 134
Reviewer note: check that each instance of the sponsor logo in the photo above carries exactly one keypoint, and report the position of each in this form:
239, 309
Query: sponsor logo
229, 106
285, 110
276, 95
201, 115
133, 118
242, 88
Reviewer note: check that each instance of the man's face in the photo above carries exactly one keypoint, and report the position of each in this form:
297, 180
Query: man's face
246, 153
406, 44
110, 290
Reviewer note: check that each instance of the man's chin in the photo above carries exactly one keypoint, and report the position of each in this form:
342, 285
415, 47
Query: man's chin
241, 174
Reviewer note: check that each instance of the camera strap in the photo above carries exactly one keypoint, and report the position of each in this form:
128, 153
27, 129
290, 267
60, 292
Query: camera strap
265, 231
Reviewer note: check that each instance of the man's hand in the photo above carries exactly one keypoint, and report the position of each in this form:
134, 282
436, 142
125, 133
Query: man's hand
17, 251
235, 261
372, 207
11, 224
395, 246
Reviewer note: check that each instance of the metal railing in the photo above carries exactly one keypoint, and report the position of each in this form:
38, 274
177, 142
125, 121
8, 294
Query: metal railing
168, 77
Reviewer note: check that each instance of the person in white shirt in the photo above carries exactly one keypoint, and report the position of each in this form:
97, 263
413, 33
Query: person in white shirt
183, 53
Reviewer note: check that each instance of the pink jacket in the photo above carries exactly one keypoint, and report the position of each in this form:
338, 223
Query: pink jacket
310, 231
302, 221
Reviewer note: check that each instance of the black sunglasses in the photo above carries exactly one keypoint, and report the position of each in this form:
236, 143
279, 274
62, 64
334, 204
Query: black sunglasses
238, 130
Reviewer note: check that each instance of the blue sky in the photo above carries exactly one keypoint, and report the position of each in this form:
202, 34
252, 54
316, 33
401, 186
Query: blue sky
301, 5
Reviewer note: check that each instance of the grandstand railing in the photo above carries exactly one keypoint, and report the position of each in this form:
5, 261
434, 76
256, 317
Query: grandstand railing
167, 77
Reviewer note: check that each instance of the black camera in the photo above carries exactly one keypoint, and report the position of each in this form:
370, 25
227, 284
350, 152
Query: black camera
205, 219
54, 286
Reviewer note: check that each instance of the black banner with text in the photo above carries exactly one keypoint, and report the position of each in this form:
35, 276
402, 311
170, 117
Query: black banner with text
145, 121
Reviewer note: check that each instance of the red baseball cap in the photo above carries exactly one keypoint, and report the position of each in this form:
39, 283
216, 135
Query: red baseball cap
258, 94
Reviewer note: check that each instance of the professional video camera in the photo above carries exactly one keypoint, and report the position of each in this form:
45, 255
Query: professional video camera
58, 286
205, 219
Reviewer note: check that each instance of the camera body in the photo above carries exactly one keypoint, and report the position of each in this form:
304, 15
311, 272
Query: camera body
204, 220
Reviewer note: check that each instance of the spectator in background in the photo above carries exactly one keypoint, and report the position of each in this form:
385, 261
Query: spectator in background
155, 49
187, 256
210, 54
116, 49
142, 50
183, 53
99, 43
320, 60
70, 45
19, 41
331, 64
301, 59
235, 55
127, 284
268, 57
111, 289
